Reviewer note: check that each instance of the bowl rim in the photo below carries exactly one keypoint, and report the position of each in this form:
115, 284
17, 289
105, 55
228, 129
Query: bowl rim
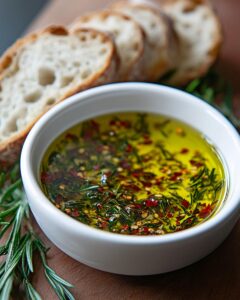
31, 183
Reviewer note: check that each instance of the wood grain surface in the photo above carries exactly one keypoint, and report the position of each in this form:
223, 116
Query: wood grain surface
216, 276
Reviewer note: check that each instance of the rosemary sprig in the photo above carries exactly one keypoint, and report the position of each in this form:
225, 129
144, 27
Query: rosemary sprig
21, 243
216, 91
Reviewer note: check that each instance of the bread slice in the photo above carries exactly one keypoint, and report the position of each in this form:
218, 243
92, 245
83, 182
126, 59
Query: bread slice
128, 37
161, 44
199, 34
44, 68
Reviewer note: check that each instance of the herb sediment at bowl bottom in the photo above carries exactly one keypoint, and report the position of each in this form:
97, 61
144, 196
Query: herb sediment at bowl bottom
134, 173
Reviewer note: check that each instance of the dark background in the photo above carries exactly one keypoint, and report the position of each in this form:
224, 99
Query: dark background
15, 16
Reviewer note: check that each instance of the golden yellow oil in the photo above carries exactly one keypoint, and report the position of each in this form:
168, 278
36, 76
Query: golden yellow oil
170, 155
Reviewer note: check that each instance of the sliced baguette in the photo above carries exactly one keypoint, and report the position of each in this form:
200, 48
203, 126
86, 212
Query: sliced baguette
200, 37
161, 44
128, 37
42, 69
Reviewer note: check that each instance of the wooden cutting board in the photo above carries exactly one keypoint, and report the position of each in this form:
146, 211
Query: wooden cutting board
216, 276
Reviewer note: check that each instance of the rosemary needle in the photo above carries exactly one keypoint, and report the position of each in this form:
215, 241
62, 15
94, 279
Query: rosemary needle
21, 244
216, 91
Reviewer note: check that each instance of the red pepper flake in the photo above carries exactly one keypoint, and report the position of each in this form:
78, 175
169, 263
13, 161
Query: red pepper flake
109, 173
197, 153
134, 187
71, 136
205, 211
99, 206
73, 173
125, 227
146, 183
137, 206
125, 124
146, 158
104, 224
129, 148
146, 230
169, 215
147, 142
125, 165
185, 203
137, 173
100, 189
46, 177
196, 163
75, 213
151, 203
111, 194
58, 199
175, 176
88, 134
160, 215
184, 151
120, 123
135, 231
159, 180
95, 125
112, 123
148, 175
96, 167
121, 177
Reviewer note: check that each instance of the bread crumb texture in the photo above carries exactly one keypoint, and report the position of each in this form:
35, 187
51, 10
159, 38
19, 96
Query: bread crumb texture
44, 70
127, 35
158, 58
200, 37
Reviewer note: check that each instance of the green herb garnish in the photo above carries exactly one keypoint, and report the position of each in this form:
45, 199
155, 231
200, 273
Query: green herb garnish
213, 89
134, 180
19, 243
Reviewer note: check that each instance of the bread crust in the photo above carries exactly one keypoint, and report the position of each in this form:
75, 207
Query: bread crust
133, 70
11, 147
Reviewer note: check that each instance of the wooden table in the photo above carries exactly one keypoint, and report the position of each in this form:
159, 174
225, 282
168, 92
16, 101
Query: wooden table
216, 276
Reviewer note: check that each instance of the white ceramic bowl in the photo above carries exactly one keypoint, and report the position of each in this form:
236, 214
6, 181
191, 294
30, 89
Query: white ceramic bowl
132, 255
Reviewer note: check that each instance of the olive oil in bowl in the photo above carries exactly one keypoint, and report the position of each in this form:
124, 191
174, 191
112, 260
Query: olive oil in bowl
134, 173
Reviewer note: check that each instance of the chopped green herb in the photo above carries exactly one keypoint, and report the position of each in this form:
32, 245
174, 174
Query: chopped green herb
20, 245
141, 174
